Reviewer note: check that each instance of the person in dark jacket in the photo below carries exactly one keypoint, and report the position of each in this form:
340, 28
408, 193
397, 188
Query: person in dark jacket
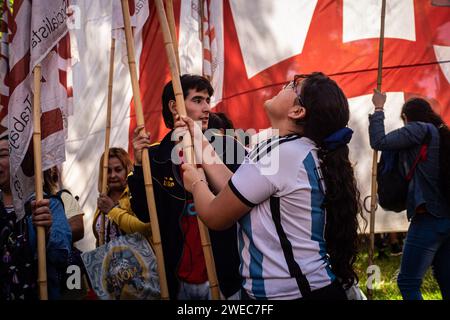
428, 239
183, 253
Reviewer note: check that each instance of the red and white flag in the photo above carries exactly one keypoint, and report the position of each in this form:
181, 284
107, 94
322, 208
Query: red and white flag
207, 37
213, 59
252, 48
260, 46
67, 58
39, 36
4, 67
139, 13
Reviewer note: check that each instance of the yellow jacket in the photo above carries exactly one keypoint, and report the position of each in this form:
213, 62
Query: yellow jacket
124, 217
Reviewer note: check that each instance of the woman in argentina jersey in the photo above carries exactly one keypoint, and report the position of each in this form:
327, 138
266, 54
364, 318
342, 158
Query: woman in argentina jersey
294, 197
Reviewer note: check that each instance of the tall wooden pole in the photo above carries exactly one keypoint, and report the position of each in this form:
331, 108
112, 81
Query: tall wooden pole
42, 264
173, 30
373, 198
188, 150
156, 236
104, 182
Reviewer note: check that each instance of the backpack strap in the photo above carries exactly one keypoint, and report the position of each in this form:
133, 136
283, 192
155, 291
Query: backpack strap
60, 192
421, 156
294, 269
57, 196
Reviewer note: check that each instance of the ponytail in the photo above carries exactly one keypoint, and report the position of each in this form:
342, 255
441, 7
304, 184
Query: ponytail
342, 205
327, 114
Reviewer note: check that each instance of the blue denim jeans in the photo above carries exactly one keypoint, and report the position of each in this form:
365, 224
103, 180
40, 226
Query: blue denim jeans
427, 244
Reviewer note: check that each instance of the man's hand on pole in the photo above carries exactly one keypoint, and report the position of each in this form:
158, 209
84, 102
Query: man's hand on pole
378, 99
141, 140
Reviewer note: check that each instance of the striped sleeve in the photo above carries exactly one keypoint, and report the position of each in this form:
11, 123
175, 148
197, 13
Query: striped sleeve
250, 186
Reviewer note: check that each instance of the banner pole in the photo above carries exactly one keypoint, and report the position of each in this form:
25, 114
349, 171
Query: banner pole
173, 30
156, 236
104, 182
37, 147
373, 198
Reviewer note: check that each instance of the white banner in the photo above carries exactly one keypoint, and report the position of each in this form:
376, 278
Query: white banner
4, 68
86, 135
40, 26
139, 12
270, 59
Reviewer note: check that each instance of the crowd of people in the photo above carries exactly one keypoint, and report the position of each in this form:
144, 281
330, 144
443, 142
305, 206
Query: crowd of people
282, 215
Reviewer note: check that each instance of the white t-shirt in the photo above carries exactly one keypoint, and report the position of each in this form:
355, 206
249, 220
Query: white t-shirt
71, 206
286, 168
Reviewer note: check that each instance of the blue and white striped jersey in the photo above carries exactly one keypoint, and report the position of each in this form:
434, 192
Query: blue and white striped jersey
286, 168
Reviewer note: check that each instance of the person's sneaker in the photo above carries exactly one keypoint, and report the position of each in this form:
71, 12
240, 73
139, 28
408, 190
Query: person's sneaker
396, 249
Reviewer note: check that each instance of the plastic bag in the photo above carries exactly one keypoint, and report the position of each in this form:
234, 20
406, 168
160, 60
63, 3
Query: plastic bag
123, 269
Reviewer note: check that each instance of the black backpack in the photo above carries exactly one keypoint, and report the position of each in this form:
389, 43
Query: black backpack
392, 184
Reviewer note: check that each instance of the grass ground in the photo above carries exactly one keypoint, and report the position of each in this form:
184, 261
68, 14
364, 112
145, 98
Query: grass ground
387, 289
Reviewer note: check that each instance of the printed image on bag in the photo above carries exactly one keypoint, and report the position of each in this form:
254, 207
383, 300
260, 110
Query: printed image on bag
123, 269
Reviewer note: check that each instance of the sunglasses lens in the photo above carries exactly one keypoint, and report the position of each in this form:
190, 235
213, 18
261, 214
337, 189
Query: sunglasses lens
288, 85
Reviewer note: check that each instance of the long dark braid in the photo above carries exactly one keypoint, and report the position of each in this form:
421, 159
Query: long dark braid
327, 111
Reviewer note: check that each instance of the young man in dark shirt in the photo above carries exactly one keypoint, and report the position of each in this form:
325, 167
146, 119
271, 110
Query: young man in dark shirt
183, 253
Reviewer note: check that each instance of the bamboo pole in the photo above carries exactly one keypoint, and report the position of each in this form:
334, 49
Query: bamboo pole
188, 150
104, 182
209, 260
373, 198
156, 236
173, 30
42, 265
